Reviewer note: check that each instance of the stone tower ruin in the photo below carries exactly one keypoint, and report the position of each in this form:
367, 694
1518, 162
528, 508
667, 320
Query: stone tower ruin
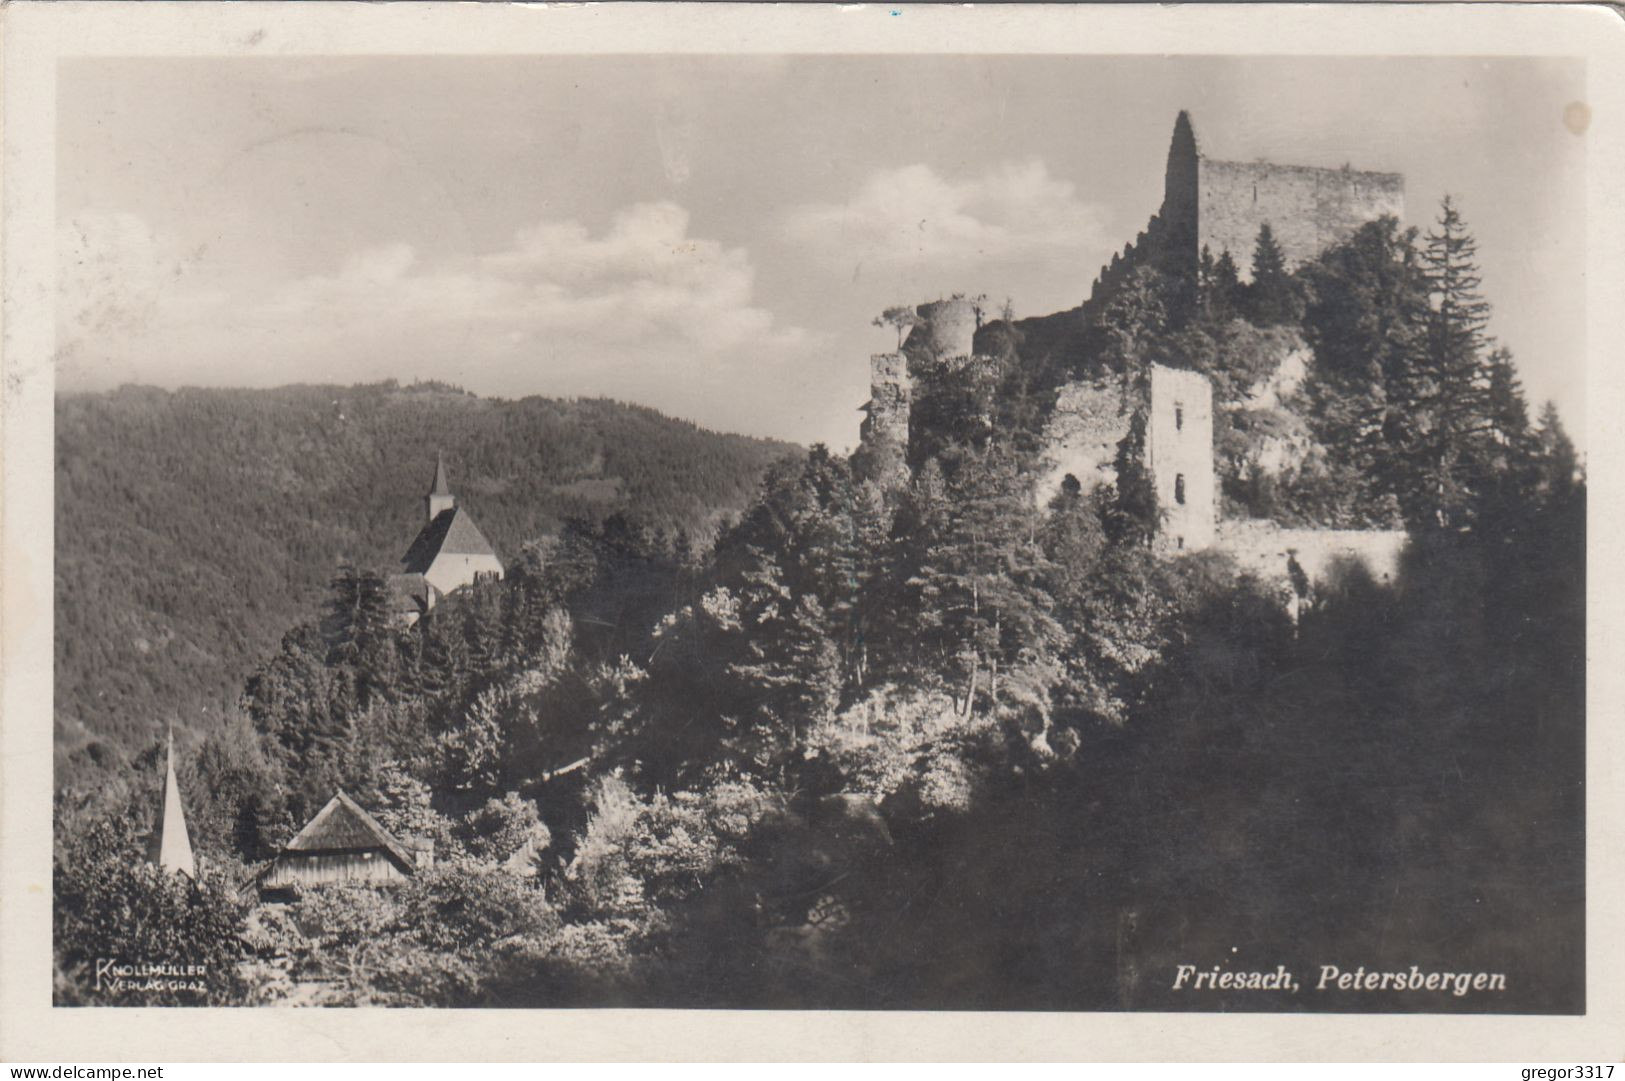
1220, 206
1179, 457
882, 454
1207, 204
946, 331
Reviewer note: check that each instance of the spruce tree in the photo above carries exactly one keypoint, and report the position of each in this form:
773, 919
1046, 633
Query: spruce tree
1559, 463
1224, 291
1505, 408
1135, 318
1272, 300
1133, 515
973, 597
1437, 422
1365, 320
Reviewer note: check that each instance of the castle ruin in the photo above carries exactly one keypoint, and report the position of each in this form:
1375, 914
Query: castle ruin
1219, 206
1179, 457
944, 332
882, 454
1211, 207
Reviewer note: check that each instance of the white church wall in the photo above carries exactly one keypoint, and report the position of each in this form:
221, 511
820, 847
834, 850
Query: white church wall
451, 571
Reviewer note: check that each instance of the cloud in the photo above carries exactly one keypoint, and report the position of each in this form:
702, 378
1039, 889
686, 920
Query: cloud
640, 310
913, 218
644, 284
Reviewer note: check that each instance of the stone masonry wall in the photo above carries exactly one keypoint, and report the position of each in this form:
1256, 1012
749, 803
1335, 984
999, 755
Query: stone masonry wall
1308, 208
1222, 204
1264, 549
1179, 454
947, 331
883, 437
1082, 434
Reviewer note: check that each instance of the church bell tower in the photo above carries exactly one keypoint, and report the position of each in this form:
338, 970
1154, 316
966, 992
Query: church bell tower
439, 497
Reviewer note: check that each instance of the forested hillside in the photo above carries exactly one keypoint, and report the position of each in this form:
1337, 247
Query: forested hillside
938, 743
193, 527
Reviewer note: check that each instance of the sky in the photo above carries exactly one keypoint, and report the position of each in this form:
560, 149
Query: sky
712, 236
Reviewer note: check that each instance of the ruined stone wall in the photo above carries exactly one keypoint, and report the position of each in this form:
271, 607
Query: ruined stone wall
1082, 434
1179, 455
947, 331
1149, 248
1308, 208
1265, 549
1222, 204
882, 451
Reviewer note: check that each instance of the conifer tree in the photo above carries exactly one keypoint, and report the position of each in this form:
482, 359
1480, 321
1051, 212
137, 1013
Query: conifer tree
1365, 320
786, 671
1220, 286
1512, 444
1559, 464
1272, 299
1133, 515
1226, 288
1436, 422
1135, 319
977, 571
359, 630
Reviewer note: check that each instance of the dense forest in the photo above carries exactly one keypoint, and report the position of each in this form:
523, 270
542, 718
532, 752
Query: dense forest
939, 745
193, 527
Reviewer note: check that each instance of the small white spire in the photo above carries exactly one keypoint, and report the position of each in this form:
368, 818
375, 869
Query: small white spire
174, 847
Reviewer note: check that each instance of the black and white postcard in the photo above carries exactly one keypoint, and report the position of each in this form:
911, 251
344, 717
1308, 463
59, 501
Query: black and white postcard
1050, 521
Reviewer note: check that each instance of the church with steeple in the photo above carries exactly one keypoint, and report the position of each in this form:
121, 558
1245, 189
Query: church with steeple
449, 552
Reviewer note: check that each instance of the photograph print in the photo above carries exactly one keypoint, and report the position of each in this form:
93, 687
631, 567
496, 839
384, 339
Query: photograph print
821, 531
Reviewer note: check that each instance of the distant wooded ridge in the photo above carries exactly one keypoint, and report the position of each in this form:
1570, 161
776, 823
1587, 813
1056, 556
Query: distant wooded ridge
193, 527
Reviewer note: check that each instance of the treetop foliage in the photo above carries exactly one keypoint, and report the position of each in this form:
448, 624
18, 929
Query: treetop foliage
780, 761
194, 527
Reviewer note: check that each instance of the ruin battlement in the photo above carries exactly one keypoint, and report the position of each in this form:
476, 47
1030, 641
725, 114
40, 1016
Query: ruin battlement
1208, 204
1219, 206
1308, 208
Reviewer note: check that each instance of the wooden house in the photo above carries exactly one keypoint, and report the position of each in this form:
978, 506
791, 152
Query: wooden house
344, 846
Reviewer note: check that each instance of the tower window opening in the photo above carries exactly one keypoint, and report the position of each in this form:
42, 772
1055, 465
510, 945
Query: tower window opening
1179, 488
1181, 542
1179, 417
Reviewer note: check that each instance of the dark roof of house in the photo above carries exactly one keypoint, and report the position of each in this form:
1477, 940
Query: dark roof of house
343, 826
411, 593
451, 531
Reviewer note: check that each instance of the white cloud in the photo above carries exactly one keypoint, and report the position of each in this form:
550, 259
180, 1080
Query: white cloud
912, 217
643, 285
642, 310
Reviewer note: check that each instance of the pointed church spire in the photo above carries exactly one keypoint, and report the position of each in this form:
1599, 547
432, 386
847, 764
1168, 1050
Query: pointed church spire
174, 846
439, 498
440, 485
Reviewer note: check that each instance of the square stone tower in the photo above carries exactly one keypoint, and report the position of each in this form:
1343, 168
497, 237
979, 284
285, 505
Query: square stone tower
1179, 457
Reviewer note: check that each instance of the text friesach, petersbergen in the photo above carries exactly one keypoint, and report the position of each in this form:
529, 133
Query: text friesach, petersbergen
1334, 978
